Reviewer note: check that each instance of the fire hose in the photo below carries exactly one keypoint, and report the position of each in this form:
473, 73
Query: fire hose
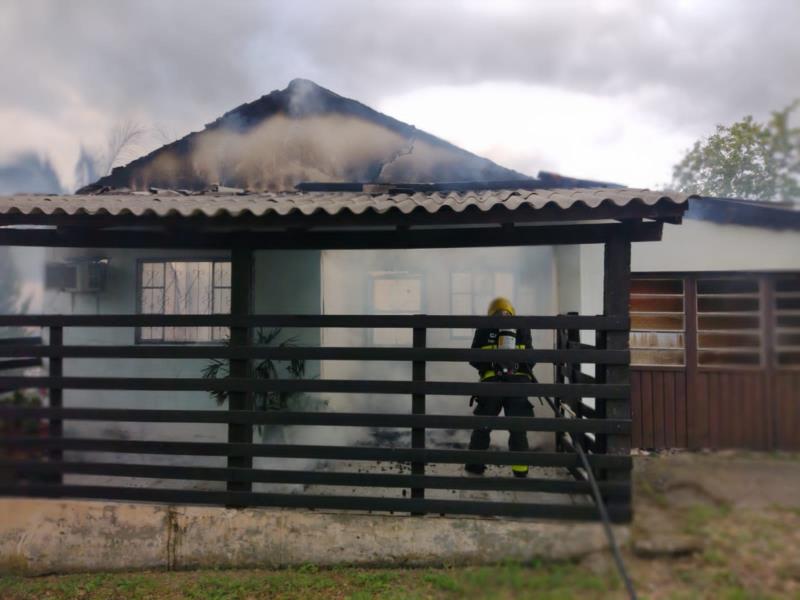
601, 506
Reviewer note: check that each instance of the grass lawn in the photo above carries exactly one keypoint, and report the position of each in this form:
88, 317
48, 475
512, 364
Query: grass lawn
561, 581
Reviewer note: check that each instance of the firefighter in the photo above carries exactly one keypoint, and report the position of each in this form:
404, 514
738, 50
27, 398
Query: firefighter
501, 371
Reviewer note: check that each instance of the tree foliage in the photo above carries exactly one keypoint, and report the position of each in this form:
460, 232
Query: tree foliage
747, 159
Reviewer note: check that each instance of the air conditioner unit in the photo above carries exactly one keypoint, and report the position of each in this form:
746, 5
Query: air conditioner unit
77, 276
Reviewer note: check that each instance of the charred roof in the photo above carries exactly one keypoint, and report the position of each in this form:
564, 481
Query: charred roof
302, 133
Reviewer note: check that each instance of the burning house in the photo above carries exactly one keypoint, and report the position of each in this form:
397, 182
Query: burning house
312, 213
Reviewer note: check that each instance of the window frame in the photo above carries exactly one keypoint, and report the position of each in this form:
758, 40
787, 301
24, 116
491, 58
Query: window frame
471, 272
140, 262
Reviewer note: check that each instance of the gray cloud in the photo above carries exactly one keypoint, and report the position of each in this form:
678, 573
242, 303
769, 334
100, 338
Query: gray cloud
185, 62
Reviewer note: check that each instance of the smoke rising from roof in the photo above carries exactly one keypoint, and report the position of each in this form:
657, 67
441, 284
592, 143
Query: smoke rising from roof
302, 133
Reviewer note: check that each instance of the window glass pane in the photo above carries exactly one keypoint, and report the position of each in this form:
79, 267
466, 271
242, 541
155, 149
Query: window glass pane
504, 284
222, 274
184, 288
397, 295
151, 334
222, 301
152, 301
220, 334
392, 337
202, 287
461, 283
462, 304
786, 321
483, 284
153, 274
656, 339
728, 322
657, 336
482, 302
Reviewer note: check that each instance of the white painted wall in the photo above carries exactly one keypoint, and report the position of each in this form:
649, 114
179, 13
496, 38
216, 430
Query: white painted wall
703, 246
285, 282
345, 288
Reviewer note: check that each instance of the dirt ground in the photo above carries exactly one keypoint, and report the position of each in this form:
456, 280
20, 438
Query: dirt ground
714, 526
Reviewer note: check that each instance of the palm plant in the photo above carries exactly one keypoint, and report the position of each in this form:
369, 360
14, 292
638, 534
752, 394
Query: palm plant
265, 369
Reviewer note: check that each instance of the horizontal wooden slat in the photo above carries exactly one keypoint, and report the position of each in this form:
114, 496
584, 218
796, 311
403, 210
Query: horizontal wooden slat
607, 322
344, 386
305, 477
19, 341
317, 419
20, 363
538, 459
617, 512
591, 356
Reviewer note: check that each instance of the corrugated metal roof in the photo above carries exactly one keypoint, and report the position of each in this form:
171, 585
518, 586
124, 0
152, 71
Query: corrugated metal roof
332, 203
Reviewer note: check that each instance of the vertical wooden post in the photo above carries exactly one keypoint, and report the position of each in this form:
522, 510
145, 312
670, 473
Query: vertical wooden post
56, 426
418, 408
696, 407
559, 369
616, 301
241, 305
770, 410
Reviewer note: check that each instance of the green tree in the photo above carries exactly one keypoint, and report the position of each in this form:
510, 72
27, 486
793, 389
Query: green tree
747, 159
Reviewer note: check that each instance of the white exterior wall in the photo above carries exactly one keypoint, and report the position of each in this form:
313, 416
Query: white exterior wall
346, 290
692, 246
285, 282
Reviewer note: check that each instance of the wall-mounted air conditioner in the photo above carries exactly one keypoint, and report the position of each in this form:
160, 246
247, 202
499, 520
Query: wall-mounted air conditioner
84, 275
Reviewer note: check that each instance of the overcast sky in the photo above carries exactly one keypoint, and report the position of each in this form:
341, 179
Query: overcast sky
609, 90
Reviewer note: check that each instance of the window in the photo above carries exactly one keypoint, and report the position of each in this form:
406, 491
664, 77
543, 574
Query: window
786, 313
657, 322
184, 287
394, 293
472, 291
729, 322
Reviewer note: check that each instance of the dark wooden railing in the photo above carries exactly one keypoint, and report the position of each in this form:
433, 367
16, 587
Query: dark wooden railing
43, 477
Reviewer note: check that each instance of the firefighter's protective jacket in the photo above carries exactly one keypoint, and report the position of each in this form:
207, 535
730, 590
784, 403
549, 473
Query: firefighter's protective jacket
500, 339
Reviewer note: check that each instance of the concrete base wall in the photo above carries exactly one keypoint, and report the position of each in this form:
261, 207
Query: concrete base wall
55, 536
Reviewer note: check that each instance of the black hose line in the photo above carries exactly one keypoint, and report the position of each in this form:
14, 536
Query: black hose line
601, 508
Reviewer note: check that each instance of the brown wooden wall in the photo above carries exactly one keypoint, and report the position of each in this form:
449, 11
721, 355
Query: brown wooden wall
751, 400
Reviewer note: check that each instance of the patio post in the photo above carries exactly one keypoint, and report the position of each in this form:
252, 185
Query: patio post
241, 306
616, 298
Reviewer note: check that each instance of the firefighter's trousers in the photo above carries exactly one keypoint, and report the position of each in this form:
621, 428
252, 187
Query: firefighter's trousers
512, 406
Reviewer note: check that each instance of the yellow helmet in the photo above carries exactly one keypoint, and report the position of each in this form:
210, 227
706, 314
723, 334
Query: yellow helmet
501, 303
